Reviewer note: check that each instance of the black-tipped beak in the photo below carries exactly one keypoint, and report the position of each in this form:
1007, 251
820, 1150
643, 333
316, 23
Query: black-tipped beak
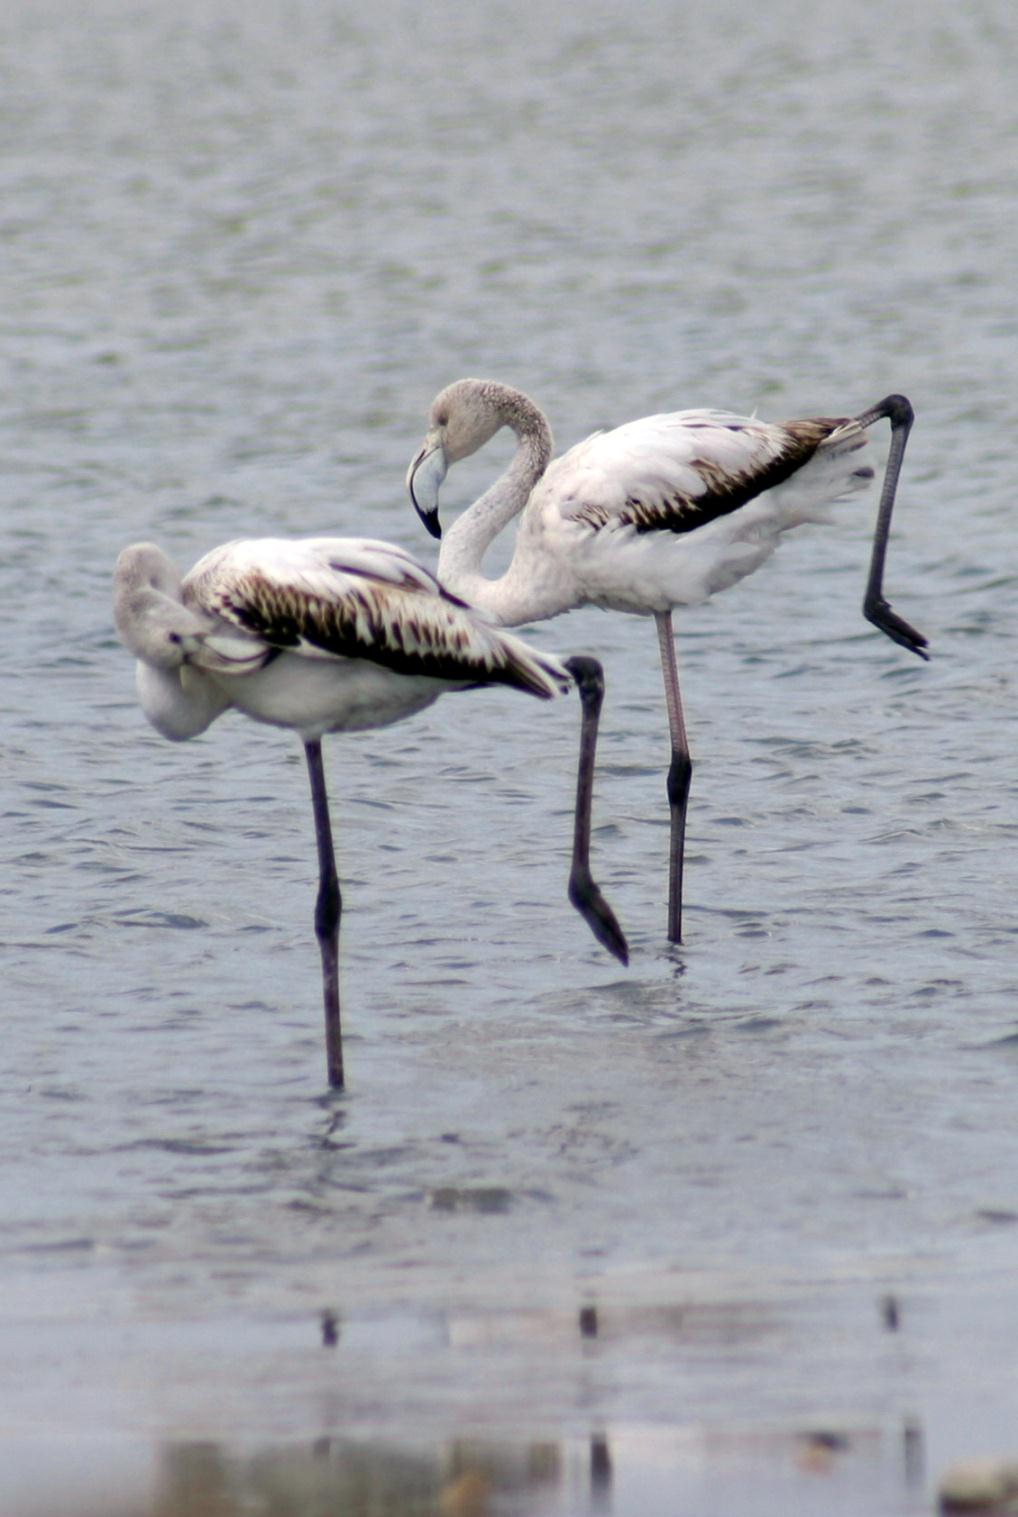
431, 521
424, 480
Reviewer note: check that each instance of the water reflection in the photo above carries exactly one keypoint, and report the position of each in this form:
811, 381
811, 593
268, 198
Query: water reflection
588, 1322
681, 1456
600, 1469
197, 1480
466, 1478
636, 1472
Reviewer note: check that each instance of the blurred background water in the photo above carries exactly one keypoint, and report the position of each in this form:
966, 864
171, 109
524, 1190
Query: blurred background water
734, 1229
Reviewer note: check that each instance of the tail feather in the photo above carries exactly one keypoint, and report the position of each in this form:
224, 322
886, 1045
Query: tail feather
848, 436
542, 674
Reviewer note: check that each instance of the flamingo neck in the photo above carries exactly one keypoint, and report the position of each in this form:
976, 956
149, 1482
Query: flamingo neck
179, 702
516, 596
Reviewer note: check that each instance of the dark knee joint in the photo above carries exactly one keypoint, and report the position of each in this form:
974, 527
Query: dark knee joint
680, 772
327, 908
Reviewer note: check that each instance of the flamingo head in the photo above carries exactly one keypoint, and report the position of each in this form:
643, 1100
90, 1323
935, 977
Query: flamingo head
464, 416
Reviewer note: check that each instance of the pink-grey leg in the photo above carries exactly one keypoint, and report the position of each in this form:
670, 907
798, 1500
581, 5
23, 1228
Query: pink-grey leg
679, 773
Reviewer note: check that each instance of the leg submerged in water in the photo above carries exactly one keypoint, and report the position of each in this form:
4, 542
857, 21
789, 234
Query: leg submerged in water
327, 914
680, 772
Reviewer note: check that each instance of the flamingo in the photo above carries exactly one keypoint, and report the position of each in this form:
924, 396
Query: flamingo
658, 513
331, 634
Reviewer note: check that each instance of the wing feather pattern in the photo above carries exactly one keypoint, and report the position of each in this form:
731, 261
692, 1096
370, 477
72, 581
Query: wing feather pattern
355, 598
677, 472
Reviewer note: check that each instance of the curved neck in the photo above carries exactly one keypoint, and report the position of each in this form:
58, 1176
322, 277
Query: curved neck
513, 598
179, 702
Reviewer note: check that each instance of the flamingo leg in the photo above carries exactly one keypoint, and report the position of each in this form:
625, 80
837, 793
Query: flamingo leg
679, 772
876, 609
327, 913
584, 892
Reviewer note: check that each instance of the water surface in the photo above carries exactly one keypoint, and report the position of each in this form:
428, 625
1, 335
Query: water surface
734, 1229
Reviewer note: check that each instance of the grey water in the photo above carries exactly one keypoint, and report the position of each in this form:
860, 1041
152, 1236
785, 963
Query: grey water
733, 1229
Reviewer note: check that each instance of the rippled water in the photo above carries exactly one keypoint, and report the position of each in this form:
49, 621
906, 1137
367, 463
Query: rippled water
734, 1229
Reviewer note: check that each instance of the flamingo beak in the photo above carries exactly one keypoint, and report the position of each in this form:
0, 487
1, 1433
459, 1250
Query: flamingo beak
424, 480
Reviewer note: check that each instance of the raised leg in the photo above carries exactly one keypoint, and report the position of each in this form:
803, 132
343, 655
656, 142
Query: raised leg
680, 772
583, 890
327, 913
876, 609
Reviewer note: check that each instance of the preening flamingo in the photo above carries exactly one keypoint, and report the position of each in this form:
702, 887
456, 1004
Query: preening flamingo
333, 635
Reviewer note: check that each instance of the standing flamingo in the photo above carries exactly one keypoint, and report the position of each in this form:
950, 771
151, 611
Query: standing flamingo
332, 635
658, 513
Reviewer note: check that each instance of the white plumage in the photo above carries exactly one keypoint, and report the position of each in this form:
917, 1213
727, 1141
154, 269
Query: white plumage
658, 513
321, 635
331, 635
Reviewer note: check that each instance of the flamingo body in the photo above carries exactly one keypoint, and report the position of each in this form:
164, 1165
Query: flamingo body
331, 635
658, 513
668, 510
318, 634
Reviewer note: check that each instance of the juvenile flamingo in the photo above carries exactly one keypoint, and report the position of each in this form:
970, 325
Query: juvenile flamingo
658, 513
333, 635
